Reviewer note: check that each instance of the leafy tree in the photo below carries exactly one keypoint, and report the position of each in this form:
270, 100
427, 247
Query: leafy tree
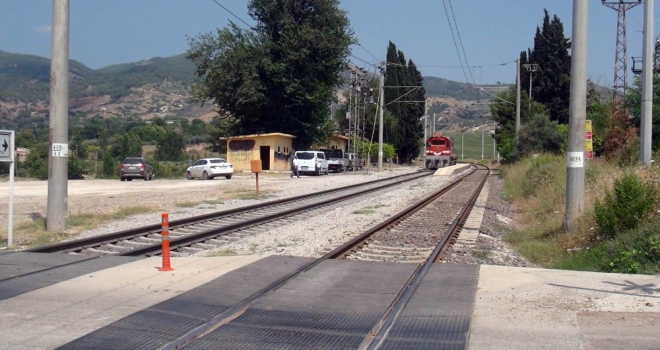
540, 135
170, 146
281, 75
402, 98
634, 101
110, 165
127, 145
37, 161
551, 84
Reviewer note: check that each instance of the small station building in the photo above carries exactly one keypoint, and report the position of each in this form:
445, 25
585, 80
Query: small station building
274, 149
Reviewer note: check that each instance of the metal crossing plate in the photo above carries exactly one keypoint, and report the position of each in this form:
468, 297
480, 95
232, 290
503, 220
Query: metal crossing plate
165, 322
438, 315
333, 306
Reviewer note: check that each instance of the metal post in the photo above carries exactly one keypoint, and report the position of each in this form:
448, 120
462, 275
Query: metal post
577, 116
647, 86
494, 148
12, 164
59, 123
530, 92
462, 144
482, 145
381, 104
517, 99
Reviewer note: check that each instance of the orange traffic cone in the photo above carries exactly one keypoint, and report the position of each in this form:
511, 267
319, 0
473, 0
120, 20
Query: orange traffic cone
166, 244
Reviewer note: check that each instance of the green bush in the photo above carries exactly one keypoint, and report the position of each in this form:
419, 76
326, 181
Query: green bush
630, 202
164, 170
542, 172
75, 168
634, 251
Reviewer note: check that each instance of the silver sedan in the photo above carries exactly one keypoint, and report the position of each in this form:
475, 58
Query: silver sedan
208, 168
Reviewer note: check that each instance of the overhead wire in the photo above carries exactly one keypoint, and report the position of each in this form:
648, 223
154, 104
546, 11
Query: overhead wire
365, 49
226, 9
458, 32
451, 28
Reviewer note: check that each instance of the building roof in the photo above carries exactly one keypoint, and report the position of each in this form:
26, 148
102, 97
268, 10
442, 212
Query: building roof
341, 137
256, 135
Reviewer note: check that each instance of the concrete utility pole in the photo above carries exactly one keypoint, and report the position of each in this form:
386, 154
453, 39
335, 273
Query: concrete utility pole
58, 154
647, 86
577, 113
517, 99
531, 68
381, 106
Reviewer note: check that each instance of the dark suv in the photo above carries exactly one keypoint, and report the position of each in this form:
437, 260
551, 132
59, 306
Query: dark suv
136, 168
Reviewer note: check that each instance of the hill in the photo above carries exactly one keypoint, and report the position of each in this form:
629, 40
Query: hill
159, 87
148, 88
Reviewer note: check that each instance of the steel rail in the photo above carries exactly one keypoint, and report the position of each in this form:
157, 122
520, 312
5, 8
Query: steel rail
352, 245
156, 228
191, 239
411, 286
220, 319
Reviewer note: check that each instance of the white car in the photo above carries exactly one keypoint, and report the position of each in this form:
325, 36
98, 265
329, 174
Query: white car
208, 168
311, 162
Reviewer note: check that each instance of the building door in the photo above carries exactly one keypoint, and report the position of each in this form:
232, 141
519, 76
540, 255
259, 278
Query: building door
264, 154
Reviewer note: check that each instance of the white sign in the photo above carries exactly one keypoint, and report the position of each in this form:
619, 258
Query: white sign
61, 150
5, 146
575, 159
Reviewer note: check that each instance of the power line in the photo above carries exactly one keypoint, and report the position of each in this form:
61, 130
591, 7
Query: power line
450, 66
359, 59
454, 39
451, 7
226, 9
365, 49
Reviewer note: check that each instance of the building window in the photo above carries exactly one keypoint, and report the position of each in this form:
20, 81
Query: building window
278, 149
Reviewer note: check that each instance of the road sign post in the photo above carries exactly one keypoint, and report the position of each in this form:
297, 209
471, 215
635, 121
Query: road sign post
7, 154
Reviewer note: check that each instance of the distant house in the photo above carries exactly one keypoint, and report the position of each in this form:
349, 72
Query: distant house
274, 150
103, 109
21, 154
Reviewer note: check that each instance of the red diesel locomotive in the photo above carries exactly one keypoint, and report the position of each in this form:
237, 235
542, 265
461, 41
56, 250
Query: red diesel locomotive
439, 152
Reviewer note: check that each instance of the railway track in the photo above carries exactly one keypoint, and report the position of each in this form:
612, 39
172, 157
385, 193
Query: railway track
192, 235
474, 180
413, 237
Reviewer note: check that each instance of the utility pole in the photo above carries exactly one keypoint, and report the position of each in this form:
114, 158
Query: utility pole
59, 122
381, 104
433, 133
620, 57
531, 68
577, 115
517, 99
647, 86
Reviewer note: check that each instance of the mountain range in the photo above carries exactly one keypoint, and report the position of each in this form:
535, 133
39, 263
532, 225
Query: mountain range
159, 86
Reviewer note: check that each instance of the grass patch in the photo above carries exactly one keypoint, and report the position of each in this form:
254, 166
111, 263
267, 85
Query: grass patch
186, 204
370, 209
33, 233
224, 252
536, 187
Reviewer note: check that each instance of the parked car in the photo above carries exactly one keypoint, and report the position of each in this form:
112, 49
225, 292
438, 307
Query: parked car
208, 168
135, 168
313, 162
354, 162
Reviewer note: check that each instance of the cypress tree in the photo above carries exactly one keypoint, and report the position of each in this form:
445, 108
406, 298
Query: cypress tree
551, 84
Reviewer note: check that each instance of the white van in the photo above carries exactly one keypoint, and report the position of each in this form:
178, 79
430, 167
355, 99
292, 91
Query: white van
311, 162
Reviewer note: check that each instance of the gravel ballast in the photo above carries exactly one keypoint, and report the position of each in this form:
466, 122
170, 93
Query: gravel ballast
310, 235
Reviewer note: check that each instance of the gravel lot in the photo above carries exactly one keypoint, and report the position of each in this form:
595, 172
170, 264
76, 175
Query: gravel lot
310, 235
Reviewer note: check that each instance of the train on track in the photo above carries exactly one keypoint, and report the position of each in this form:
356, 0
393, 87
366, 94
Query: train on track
439, 152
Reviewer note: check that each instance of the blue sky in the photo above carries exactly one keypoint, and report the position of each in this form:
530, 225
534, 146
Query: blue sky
105, 32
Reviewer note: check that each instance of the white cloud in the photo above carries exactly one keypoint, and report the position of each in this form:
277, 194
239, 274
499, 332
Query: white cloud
43, 29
